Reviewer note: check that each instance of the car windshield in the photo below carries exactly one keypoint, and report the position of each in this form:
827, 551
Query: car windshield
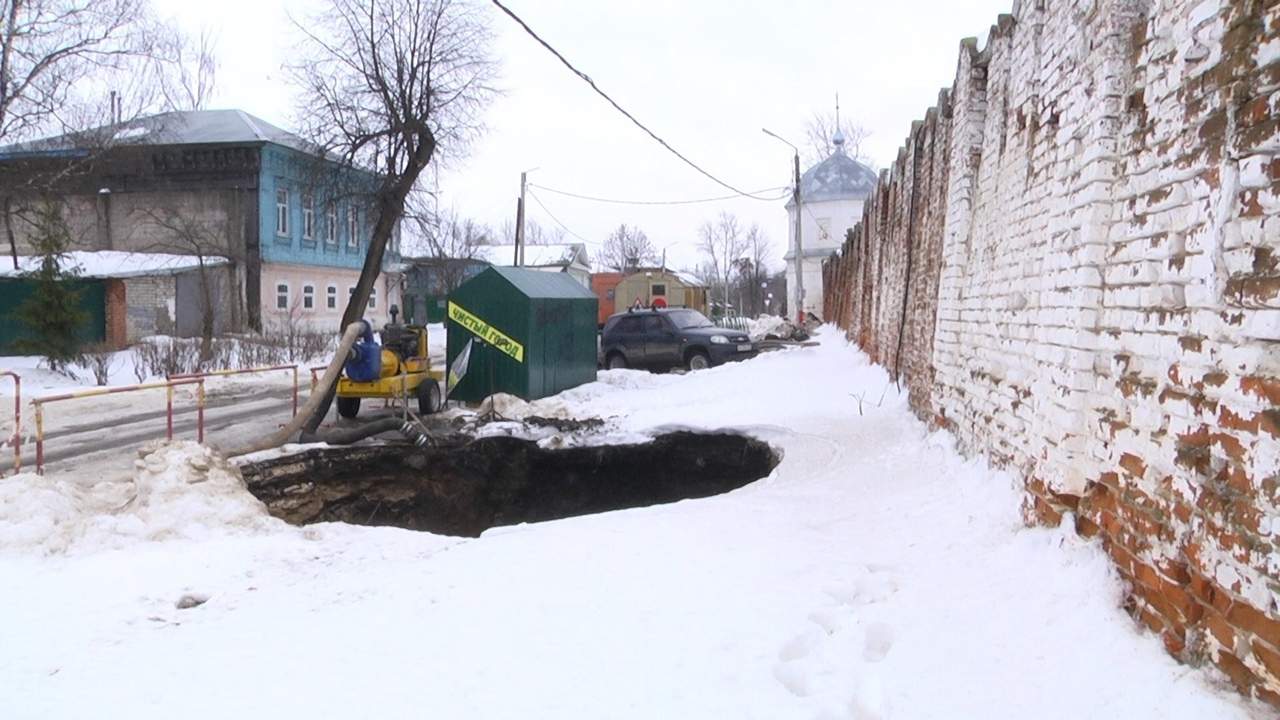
685, 319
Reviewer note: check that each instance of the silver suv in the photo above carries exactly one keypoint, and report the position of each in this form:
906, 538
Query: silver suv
663, 338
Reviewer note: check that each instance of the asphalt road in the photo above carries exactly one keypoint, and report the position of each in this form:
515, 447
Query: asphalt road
229, 419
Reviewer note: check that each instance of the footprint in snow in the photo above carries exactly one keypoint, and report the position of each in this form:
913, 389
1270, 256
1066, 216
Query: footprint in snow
878, 642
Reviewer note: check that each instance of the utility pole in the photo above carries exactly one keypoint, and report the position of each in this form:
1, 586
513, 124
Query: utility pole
518, 261
795, 196
799, 250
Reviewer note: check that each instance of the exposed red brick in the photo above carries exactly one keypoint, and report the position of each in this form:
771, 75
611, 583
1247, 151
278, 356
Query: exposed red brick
1240, 676
1268, 655
1266, 388
1133, 465
1222, 632
1250, 619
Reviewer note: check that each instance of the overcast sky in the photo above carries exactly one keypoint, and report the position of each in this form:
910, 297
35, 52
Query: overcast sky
704, 75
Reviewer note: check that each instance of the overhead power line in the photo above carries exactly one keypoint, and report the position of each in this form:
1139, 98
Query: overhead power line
557, 221
658, 202
587, 79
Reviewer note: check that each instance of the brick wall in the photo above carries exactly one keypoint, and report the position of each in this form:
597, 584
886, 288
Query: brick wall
1074, 265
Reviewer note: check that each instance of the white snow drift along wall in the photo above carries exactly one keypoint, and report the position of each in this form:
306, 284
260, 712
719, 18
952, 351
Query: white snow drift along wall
1098, 303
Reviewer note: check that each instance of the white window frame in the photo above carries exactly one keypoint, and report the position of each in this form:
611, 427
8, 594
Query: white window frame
282, 295
308, 216
331, 224
282, 212
353, 227
309, 296
373, 298
331, 297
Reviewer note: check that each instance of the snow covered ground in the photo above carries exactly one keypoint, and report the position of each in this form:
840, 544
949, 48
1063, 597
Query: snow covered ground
874, 574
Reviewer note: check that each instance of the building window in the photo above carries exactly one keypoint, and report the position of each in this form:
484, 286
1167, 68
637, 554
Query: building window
282, 296
308, 297
331, 297
608, 294
659, 290
308, 216
353, 224
373, 298
331, 223
282, 212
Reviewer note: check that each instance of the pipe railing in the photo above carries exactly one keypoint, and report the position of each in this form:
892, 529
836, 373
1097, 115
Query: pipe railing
243, 371
169, 385
16, 439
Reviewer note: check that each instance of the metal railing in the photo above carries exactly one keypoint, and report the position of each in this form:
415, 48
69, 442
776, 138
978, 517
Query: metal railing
169, 385
16, 439
244, 371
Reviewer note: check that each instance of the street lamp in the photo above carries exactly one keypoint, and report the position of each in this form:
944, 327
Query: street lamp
799, 251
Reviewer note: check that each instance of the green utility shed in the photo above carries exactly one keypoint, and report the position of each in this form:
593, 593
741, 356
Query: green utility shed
532, 334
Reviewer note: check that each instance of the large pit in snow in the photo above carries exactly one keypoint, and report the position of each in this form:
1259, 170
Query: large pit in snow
468, 488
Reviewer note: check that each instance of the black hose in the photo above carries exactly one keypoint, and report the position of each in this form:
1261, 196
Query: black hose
347, 436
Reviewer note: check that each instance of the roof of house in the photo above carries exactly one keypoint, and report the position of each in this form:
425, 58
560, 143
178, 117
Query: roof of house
192, 127
114, 264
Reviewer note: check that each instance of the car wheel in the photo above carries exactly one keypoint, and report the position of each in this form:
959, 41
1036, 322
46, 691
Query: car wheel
615, 361
428, 397
697, 360
348, 407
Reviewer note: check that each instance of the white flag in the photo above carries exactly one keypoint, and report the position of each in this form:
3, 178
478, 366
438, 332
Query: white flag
458, 369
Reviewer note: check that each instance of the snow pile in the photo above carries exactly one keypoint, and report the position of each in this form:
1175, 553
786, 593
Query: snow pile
178, 490
875, 573
766, 325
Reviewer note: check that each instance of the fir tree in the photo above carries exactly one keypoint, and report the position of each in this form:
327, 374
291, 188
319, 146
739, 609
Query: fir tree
52, 315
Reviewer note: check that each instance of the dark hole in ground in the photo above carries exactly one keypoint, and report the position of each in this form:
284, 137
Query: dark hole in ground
466, 489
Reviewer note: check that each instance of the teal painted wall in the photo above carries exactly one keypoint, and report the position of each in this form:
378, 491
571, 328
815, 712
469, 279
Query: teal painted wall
299, 174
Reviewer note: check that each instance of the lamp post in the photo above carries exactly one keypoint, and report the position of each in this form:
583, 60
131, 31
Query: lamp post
799, 247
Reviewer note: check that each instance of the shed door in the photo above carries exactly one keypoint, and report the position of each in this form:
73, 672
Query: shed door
190, 303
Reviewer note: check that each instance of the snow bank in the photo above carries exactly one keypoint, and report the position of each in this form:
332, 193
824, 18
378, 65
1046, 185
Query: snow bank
178, 490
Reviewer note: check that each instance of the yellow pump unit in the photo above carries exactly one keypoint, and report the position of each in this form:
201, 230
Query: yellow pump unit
396, 368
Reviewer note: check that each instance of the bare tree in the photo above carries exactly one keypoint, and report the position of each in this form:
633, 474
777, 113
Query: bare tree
204, 240
49, 49
70, 65
626, 247
385, 83
723, 243
820, 132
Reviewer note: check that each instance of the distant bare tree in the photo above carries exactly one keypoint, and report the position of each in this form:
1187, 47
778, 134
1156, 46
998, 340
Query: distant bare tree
820, 132
451, 242
626, 247
723, 243
189, 71
753, 269
534, 234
